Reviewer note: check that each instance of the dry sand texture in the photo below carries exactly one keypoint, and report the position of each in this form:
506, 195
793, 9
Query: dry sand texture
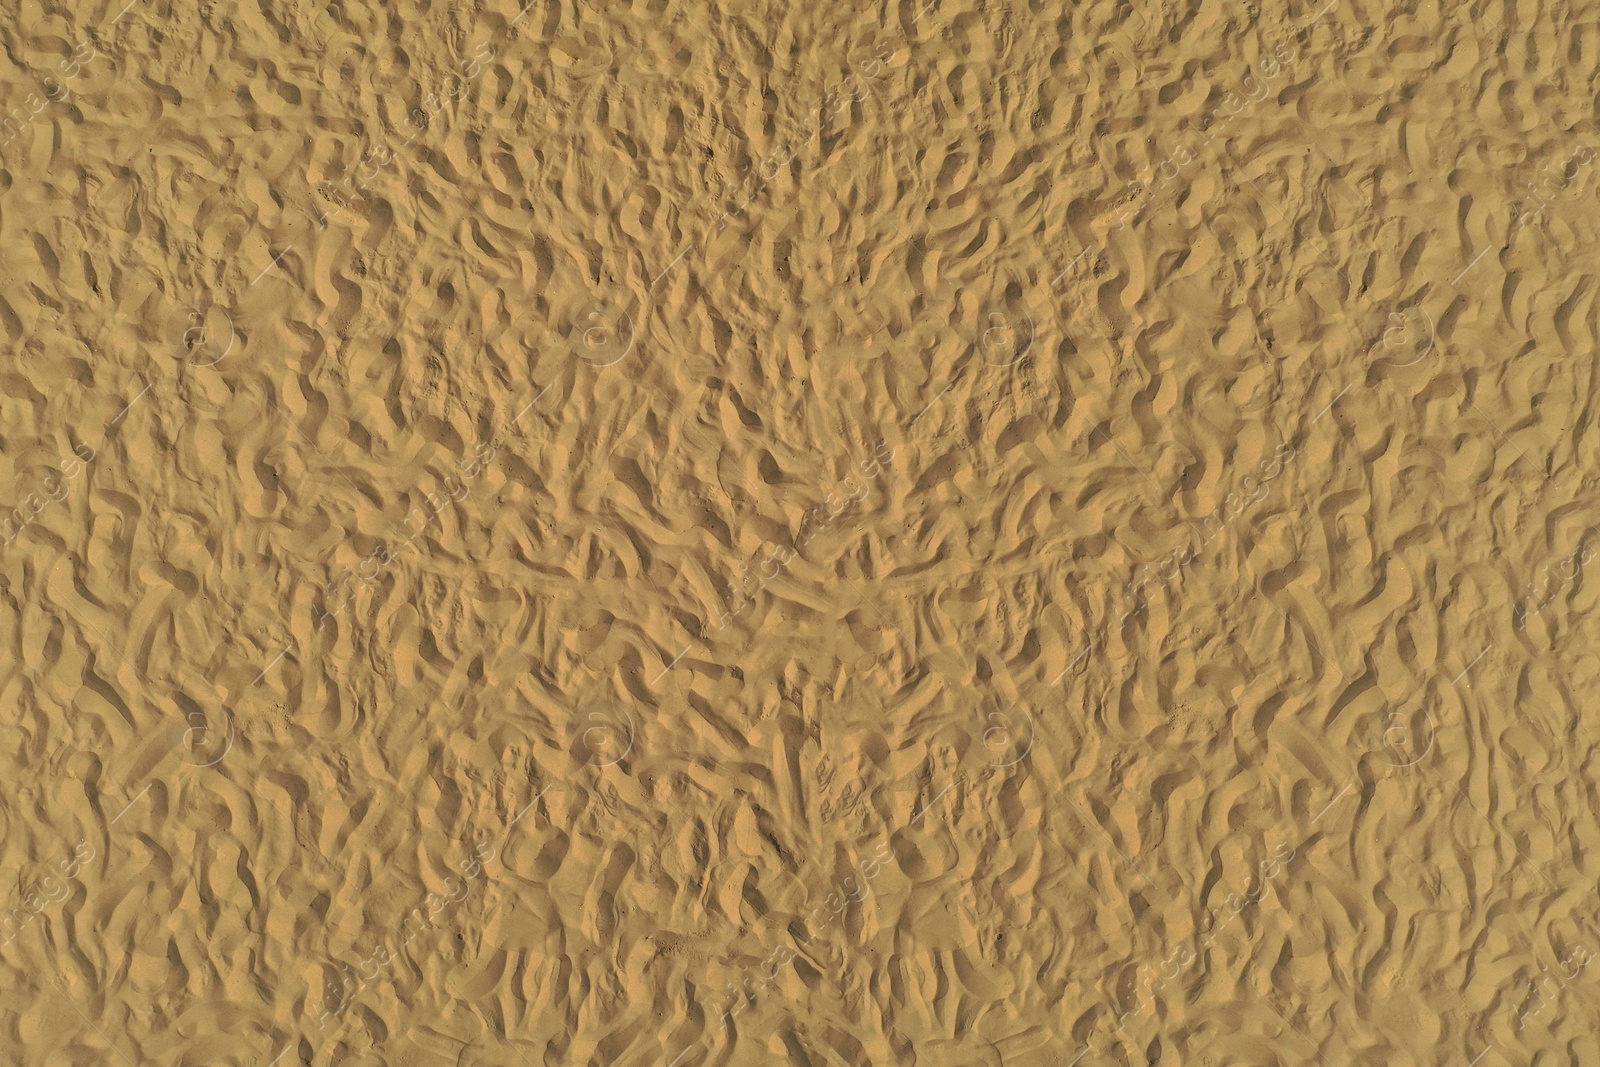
667, 533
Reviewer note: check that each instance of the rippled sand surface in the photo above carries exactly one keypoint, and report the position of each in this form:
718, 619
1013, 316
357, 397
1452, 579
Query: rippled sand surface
677, 533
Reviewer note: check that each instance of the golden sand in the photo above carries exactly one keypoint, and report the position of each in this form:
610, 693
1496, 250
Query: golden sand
656, 533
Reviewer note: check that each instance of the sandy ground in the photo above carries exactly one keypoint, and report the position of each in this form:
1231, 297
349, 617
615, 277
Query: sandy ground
681, 534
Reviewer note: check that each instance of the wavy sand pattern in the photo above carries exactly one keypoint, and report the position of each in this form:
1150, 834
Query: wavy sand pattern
668, 533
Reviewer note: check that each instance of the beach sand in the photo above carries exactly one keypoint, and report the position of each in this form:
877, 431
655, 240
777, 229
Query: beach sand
664, 533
